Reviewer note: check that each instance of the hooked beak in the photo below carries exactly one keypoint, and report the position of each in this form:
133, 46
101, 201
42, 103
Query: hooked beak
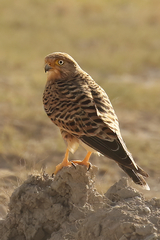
47, 68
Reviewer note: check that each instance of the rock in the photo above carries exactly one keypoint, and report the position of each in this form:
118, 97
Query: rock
121, 190
144, 230
69, 207
3, 211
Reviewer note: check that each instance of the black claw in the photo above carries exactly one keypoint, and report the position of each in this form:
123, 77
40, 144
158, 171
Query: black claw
90, 165
73, 165
52, 175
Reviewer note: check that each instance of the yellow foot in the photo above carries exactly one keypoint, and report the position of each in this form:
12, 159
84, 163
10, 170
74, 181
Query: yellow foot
81, 163
60, 166
64, 163
84, 162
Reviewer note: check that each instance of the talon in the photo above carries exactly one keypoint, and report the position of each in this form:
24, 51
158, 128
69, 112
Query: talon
74, 165
84, 162
52, 175
90, 165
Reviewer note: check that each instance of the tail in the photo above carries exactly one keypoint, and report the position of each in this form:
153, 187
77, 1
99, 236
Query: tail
136, 176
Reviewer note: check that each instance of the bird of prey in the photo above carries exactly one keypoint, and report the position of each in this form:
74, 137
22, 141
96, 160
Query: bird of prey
84, 114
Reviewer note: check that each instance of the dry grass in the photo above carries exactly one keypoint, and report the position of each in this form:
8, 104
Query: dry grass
117, 42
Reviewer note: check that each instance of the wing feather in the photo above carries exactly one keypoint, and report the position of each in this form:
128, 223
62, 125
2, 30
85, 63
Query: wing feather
80, 107
111, 149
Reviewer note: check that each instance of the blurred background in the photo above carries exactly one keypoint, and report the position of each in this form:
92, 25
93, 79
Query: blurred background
117, 42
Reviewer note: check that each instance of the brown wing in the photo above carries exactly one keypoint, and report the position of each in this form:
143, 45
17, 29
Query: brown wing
83, 109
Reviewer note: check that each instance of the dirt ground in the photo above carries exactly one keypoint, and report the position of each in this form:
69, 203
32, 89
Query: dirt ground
69, 207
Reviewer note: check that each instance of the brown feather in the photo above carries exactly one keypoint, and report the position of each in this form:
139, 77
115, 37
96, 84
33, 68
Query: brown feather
82, 110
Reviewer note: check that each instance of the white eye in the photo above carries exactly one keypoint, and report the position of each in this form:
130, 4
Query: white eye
60, 62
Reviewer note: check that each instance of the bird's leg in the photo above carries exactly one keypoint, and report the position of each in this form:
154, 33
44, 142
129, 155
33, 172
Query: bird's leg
64, 163
85, 161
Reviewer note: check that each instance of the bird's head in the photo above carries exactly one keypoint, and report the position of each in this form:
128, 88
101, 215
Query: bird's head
60, 66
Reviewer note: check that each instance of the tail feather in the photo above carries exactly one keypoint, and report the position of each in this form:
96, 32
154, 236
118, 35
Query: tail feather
135, 176
142, 172
117, 151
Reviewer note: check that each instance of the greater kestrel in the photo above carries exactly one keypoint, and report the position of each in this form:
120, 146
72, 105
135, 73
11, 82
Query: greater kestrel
84, 114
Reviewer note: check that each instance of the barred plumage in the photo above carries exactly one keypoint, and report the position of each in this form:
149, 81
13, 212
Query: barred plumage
84, 114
